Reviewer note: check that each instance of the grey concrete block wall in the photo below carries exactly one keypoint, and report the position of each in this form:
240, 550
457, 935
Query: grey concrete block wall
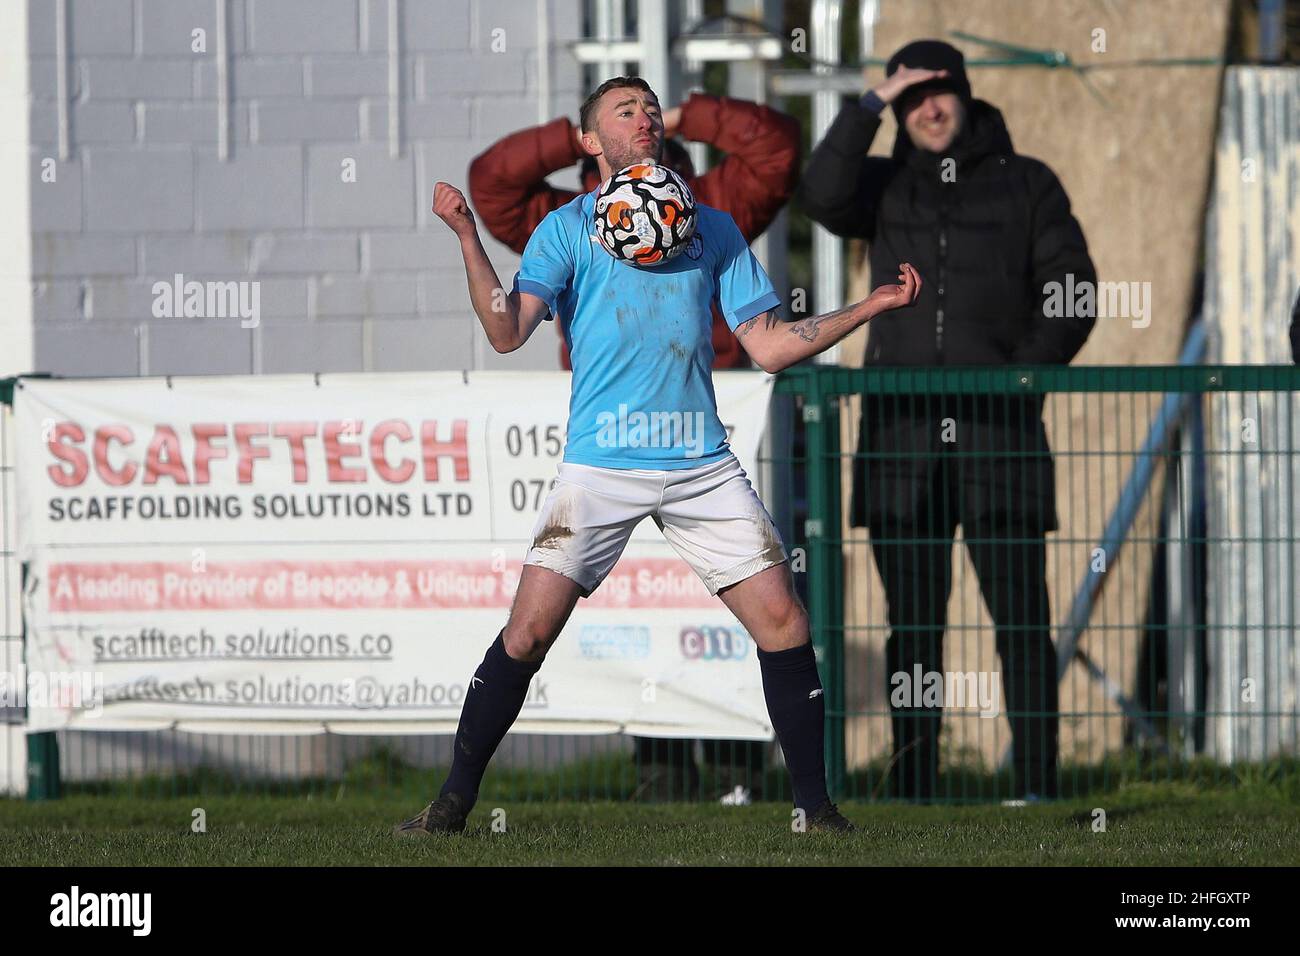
354, 275
166, 26
255, 189
303, 26
138, 191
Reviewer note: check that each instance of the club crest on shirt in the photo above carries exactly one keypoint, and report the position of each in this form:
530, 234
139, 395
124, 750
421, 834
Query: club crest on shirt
695, 248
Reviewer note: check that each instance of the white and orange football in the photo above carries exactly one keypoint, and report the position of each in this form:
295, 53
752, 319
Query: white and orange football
645, 214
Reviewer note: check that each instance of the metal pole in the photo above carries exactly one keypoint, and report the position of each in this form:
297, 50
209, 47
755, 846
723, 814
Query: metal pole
43, 781
543, 62
828, 250
61, 76
749, 81
692, 79
821, 531
394, 80
868, 17
223, 83
610, 26
1172, 411
653, 27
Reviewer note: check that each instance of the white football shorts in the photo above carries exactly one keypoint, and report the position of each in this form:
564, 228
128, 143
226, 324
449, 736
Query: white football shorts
711, 515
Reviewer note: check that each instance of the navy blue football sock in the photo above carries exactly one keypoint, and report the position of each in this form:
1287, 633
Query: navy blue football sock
797, 708
496, 695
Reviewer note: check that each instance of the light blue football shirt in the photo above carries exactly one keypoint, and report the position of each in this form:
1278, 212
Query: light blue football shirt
641, 339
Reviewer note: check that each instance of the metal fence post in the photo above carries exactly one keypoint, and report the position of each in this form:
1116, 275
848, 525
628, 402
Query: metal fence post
43, 781
821, 531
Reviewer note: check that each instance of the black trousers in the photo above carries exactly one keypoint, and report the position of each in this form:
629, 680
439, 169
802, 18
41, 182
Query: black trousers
914, 559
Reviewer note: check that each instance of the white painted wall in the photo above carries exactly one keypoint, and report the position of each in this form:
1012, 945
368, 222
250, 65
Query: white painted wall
15, 344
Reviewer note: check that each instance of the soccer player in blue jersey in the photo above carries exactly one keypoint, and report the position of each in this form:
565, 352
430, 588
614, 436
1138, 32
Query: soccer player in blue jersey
640, 340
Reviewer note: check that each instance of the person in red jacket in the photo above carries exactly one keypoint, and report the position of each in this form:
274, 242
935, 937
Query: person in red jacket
756, 177
507, 182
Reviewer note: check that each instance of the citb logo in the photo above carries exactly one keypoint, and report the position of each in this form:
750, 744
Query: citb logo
714, 643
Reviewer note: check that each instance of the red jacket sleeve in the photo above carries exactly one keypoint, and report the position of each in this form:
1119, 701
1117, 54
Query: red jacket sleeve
758, 175
507, 182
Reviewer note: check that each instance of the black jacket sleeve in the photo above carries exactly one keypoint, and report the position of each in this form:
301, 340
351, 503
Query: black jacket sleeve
842, 185
1295, 330
1059, 250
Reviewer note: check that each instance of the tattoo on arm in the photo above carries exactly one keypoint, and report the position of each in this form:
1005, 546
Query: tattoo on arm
771, 319
808, 329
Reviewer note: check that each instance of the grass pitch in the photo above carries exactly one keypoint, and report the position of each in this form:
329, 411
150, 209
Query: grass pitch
1161, 824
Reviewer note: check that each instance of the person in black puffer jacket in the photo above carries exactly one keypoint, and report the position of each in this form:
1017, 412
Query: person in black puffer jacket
990, 231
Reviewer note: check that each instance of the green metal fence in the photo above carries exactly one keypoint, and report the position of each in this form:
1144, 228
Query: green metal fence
1169, 583
1169, 576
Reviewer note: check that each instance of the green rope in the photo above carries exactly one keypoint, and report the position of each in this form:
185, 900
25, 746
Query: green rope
1053, 59
1028, 56
1016, 55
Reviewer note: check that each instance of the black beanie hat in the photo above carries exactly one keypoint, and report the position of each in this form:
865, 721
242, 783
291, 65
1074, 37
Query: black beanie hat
933, 55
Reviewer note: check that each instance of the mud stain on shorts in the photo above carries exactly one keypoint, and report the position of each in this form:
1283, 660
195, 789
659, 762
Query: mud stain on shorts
773, 549
558, 527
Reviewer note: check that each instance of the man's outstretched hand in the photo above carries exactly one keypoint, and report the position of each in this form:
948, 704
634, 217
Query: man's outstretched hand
450, 206
889, 297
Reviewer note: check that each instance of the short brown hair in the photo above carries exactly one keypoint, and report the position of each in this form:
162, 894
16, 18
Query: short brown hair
586, 116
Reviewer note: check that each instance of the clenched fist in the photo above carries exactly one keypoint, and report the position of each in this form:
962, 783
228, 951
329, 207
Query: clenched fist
450, 206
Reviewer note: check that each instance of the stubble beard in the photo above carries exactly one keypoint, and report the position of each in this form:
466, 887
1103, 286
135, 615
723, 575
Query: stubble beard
631, 154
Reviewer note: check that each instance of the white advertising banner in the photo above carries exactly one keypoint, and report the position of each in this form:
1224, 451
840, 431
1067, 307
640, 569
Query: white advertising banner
299, 553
